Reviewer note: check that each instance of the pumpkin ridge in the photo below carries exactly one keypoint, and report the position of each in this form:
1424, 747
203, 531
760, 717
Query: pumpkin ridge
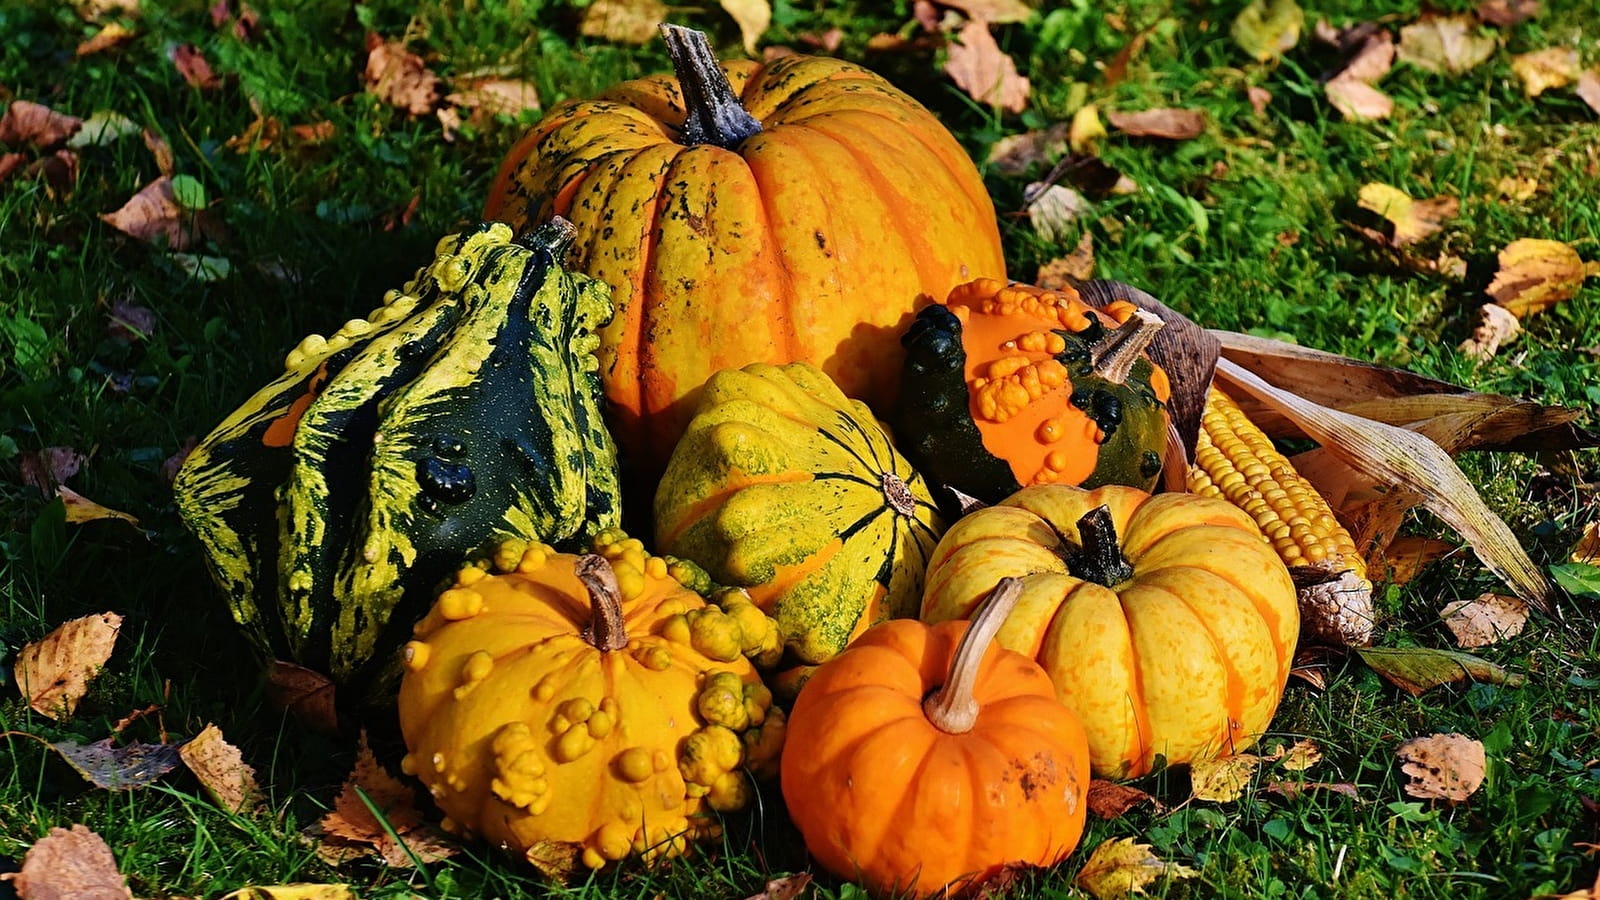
1268, 615
945, 154
1235, 701
692, 516
1140, 752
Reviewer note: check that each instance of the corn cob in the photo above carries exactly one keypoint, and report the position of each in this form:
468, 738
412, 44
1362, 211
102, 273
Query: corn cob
1236, 461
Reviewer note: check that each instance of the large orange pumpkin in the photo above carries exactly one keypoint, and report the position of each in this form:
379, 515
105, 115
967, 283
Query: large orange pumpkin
921, 759
1167, 624
797, 211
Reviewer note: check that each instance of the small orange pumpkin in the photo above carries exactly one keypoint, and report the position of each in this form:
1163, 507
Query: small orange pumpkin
920, 760
1167, 624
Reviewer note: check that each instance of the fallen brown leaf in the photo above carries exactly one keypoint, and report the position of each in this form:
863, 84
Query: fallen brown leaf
1442, 766
1541, 70
192, 65
1587, 550
787, 887
1450, 44
988, 75
1053, 209
999, 12
221, 770
1408, 555
50, 467
128, 322
114, 34
1222, 780
171, 465
1590, 893
1484, 620
1536, 274
1303, 755
1109, 800
119, 768
1294, 789
399, 78
493, 95
246, 25
10, 162
1496, 327
53, 673
313, 133
1120, 866
26, 122
1506, 13
1413, 220
81, 509
828, 41
351, 829
154, 214
1015, 154
623, 21
449, 121
257, 137
1259, 97
1067, 271
73, 864
161, 150
1357, 100
1588, 89
58, 170
1167, 123
1372, 59
753, 18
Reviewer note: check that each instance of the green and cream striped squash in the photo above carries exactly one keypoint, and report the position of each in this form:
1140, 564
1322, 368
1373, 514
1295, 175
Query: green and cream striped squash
463, 410
787, 488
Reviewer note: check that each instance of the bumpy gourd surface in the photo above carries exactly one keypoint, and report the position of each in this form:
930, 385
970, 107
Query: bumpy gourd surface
1187, 659
787, 488
532, 738
466, 407
812, 240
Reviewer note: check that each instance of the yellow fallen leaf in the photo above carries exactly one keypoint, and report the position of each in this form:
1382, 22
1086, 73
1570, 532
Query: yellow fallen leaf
1120, 866
753, 17
1536, 274
1268, 28
53, 672
294, 892
1086, 129
81, 509
1413, 220
1450, 44
1541, 70
1358, 101
1513, 188
1224, 779
221, 769
1303, 755
1588, 549
625, 21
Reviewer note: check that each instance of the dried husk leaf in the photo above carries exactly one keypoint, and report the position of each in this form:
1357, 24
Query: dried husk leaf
1405, 459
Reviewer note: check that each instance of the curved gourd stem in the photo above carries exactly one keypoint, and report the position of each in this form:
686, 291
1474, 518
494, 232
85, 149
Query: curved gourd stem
606, 629
714, 115
952, 708
1101, 560
553, 237
1114, 355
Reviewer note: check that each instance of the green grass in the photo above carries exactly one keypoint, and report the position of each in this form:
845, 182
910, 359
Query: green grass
1243, 228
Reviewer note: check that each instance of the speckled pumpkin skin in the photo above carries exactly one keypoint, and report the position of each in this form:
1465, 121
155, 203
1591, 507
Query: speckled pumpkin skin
532, 738
1186, 660
814, 240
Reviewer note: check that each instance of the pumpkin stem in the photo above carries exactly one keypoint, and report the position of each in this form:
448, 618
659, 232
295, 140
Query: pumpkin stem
1113, 357
714, 115
553, 237
606, 630
953, 709
898, 494
1101, 560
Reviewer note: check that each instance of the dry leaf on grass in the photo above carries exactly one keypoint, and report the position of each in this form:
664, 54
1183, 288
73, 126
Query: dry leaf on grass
154, 214
112, 35
398, 77
753, 17
1416, 669
979, 67
787, 887
129, 322
1406, 556
1516, 189
53, 673
1541, 70
47, 468
26, 122
1259, 97
1506, 13
171, 465
92, 10
293, 892
1069, 270
1372, 60
623, 21
1293, 789
1120, 866
1109, 800
1268, 28
305, 694
1413, 220
1222, 780
351, 829
192, 65
1590, 893
1484, 620
10, 162
1357, 100
1587, 550
161, 151
1536, 274
119, 768
221, 769
71, 864
1086, 130
1015, 154
1449, 44
1000, 12
1588, 89
101, 128
1053, 209
1303, 755
1167, 123
1496, 327
1442, 766
492, 95
81, 509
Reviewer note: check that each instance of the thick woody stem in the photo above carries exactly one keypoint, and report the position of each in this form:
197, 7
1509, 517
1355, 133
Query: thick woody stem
1113, 357
714, 115
606, 630
952, 708
1101, 560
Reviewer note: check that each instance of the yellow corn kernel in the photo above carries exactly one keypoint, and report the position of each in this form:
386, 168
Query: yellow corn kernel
1236, 461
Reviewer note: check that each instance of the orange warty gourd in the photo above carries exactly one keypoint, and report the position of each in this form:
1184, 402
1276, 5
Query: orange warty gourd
1167, 624
797, 211
922, 759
